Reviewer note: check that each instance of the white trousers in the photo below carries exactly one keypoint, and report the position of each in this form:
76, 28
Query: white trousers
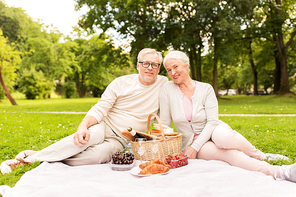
228, 145
103, 142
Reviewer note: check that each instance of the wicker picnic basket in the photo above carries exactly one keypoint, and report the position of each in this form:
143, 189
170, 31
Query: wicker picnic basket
166, 144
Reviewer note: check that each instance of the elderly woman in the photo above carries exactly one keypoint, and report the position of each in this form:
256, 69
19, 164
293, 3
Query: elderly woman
193, 108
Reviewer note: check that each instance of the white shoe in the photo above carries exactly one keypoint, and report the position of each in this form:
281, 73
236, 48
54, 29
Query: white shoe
24, 154
6, 166
287, 172
9, 165
275, 157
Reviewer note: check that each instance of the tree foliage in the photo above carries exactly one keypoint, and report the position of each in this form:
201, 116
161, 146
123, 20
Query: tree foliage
97, 59
244, 44
191, 26
9, 59
34, 84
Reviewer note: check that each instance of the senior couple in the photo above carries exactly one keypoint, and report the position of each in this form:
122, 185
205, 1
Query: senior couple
128, 101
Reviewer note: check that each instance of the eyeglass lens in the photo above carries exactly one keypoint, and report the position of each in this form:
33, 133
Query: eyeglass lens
147, 64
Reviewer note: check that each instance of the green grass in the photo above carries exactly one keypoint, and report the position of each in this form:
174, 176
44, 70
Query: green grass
269, 134
22, 131
72, 105
240, 104
267, 104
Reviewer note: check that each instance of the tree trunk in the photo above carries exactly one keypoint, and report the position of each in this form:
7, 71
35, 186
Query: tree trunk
198, 59
255, 73
284, 69
79, 86
192, 68
284, 88
277, 74
215, 69
7, 93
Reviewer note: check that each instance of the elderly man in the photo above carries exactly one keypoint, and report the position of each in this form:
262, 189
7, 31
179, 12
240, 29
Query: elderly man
127, 101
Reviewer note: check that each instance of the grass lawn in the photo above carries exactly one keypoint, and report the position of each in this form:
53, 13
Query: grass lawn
240, 104
265, 104
72, 105
22, 131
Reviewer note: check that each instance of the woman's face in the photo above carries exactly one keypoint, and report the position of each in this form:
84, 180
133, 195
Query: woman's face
177, 71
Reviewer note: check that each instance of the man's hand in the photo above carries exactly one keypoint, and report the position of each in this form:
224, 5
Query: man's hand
190, 152
81, 136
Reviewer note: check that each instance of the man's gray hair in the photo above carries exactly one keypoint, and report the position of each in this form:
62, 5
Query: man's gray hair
177, 55
148, 50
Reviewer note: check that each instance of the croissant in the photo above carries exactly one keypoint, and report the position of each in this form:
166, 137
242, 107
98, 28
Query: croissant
154, 169
155, 161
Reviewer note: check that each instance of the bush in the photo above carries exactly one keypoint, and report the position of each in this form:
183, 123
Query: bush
70, 89
34, 84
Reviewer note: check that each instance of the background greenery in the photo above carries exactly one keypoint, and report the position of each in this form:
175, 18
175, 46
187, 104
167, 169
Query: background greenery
33, 131
246, 45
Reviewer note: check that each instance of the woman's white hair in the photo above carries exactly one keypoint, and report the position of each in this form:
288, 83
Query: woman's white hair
177, 55
148, 50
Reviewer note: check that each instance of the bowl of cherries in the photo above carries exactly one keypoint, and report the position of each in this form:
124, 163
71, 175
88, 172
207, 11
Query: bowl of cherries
122, 161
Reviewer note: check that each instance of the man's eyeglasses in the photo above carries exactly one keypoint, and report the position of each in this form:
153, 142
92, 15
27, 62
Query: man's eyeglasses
147, 64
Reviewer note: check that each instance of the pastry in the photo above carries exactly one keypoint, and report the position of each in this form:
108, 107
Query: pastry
154, 169
155, 161
156, 166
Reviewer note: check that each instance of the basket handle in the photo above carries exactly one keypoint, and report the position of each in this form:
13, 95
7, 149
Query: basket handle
159, 122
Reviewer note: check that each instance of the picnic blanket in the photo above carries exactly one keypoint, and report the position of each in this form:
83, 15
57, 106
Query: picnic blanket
198, 178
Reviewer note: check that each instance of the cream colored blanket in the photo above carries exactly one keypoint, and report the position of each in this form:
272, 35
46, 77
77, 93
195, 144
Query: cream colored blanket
200, 178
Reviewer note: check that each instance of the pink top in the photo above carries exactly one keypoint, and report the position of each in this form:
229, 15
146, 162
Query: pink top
187, 104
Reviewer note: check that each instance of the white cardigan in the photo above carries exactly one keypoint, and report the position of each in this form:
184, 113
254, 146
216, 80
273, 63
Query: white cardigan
204, 115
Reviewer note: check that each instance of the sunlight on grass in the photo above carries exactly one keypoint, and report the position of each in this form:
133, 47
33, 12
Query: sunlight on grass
267, 104
21, 131
269, 134
74, 105
240, 104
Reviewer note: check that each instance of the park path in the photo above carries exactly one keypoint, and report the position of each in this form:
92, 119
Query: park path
65, 112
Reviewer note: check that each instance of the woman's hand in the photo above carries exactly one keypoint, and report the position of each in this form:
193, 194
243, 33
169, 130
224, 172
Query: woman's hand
190, 153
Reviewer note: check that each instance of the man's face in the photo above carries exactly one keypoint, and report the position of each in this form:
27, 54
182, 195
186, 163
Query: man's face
147, 76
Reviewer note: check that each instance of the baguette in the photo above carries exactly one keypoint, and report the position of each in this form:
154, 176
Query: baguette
127, 134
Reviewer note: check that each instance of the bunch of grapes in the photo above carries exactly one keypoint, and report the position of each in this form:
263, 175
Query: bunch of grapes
122, 158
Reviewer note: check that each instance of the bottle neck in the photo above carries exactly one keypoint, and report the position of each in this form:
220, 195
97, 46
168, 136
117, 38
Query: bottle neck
133, 132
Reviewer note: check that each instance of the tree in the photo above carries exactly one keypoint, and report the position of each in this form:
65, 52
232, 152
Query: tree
140, 20
280, 23
184, 30
16, 25
9, 59
97, 59
33, 84
70, 89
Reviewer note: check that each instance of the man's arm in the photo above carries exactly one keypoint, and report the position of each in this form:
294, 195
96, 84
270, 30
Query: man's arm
82, 134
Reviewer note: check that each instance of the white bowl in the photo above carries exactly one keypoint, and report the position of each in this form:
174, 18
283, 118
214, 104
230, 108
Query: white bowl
122, 167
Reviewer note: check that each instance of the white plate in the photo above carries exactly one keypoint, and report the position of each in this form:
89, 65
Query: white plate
136, 170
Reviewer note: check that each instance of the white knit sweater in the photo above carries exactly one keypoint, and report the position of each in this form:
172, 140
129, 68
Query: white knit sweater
127, 103
204, 115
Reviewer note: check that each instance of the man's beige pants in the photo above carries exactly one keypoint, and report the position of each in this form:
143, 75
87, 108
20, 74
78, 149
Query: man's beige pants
102, 144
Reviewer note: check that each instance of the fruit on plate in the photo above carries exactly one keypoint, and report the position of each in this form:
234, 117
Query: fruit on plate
123, 158
177, 161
